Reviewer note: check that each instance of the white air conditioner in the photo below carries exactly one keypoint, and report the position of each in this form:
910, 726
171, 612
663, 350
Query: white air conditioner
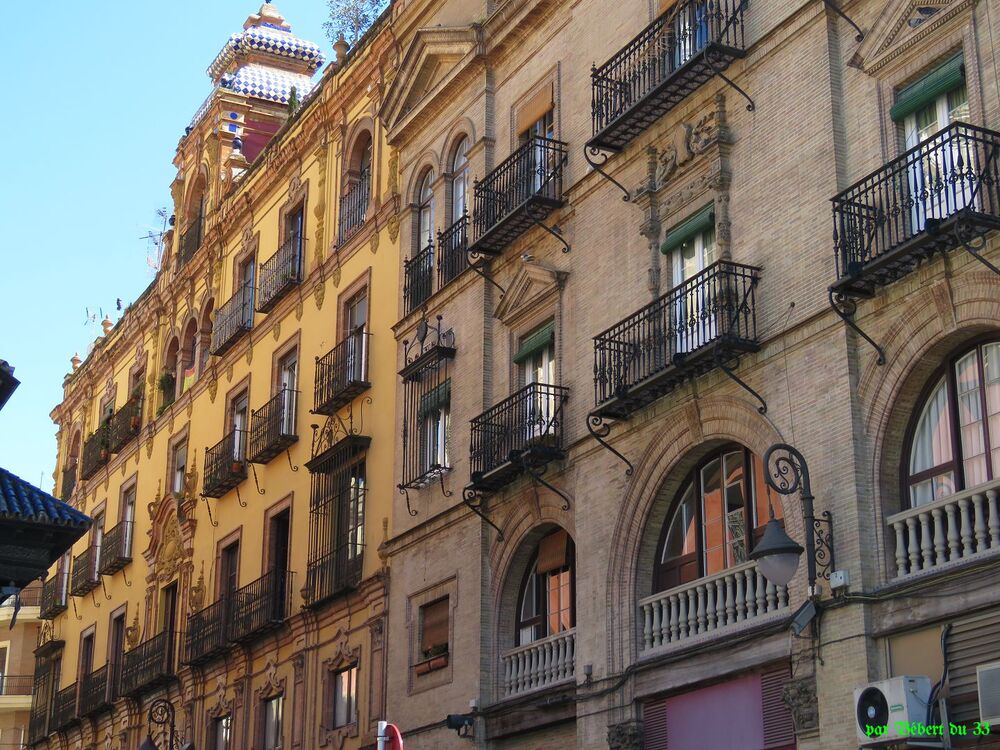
882, 708
988, 682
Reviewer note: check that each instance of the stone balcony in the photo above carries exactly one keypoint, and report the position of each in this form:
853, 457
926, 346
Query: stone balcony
538, 665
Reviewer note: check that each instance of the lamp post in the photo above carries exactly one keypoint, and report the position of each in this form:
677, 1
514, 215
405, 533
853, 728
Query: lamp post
161, 713
777, 555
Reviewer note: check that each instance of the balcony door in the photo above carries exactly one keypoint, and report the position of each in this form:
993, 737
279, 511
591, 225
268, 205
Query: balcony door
246, 282
695, 322
538, 365
692, 32
229, 571
288, 367
116, 647
96, 542
239, 411
355, 323
278, 555
542, 162
169, 620
128, 517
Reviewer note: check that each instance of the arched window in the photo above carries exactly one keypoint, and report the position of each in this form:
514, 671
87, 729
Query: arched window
168, 378
546, 603
460, 179
188, 364
425, 210
205, 336
717, 517
955, 440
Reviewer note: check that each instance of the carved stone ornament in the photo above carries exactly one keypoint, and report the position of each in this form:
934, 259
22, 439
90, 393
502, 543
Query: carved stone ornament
132, 632
625, 736
394, 175
170, 553
276, 330
222, 706
800, 697
393, 226
272, 684
320, 293
689, 140
213, 386
196, 599
373, 243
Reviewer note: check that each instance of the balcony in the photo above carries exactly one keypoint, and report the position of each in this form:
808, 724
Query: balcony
524, 431
668, 61
29, 596
38, 722
148, 665
938, 195
54, 596
342, 373
523, 190
124, 425
722, 605
272, 427
706, 320
206, 635
95, 693
190, 242
116, 549
68, 480
354, 207
279, 273
95, 452
453, 245
418, 281
225, 464
333, 573
14, 685
85, 578
261, 606
232, 320
64, 708
544, 663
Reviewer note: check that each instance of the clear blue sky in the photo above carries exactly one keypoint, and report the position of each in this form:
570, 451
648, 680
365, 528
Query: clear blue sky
97, 96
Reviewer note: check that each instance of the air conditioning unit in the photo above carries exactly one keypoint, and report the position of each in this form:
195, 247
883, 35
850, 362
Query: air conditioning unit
988, 682
881, 707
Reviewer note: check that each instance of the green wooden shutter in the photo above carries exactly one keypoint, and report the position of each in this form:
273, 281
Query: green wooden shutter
535, 342
944, 78
688, 229
435, 399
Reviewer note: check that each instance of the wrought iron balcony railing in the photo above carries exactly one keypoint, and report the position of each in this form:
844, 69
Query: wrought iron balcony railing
206, 636
95, 692
148, 665
85, 578
682, 49
124, 425
524, 189
95, 452
280, 272
232, 320
273, 427
225, 464
190, 242
54, 593
68, 480
16, 684
333, 573
523, 431
354, 207
116, 549
941, 194
64, 707
453, 245
260, 606
687, 331
418, 272
342, 373
38, 720
30, 596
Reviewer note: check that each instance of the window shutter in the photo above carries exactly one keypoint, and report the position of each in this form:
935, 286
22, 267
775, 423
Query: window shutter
688, 229
972, 641
779, 731
434, 625
535, 342
435, 399
947, 76
552, 552
654, 725
535, 108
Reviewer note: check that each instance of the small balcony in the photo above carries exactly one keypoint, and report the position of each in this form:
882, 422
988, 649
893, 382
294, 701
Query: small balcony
668, 61
333, 573
272, 427
12, 685
709, 318
85, 577
539, 665
354, 207
148, 665
95, 452
54, 596
280, 273
64, 708
722, 605
116, 549
232, 320
261, 606
938, 195
225, 464
522, 431
523, 190
342, 373
95, 692
68, 480
206, 636
418, 281
124, 425
453, 251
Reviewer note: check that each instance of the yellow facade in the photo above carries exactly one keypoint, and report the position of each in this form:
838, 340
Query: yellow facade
179, 533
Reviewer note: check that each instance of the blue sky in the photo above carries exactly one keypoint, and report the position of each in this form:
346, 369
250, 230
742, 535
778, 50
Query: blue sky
96, 99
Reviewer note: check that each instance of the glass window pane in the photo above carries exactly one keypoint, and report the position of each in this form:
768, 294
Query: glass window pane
958, 104
970, 419
932, 439
713, 514
681, 539
761, 494
344, 687
735, 509
991, 368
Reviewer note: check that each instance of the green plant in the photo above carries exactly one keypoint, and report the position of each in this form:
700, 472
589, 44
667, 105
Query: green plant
439, 650
167, 383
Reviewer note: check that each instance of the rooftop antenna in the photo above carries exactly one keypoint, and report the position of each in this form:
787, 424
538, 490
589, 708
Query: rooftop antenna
154, 241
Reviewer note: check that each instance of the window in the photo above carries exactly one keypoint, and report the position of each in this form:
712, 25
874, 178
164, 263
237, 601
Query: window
719, 513
96, 540
178, 468
434, 629
127, 511
460, 180
356, 312
87, 654
425, 211
239, 410
229, 570
245, 288
189, 356
355, 321
955, 441
546, 604
354, 523
221, 729
345, 690
294, 231
272, 710
434, 415
116, 646
288, 367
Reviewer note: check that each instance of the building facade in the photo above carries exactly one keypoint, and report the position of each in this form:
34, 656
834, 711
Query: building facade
18, 664
226, 433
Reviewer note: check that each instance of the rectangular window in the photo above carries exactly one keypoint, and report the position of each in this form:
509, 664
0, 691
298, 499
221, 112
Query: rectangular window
272, 722
294, 229
345, 687
87, 655
434, 629
239, 419
288, 367
127, 511
116, 646
178, 468
221, 729
245, 287
434, 412
229, 570
356, 313
96, 540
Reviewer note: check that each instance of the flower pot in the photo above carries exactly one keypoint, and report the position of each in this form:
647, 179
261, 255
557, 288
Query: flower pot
237, 467
104, 454
422, 668
439, 662
134, 422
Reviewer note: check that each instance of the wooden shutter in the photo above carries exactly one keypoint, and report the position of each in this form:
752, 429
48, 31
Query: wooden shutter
552, 552
434, 624
534, 108
779, 731
972, 641
654, 725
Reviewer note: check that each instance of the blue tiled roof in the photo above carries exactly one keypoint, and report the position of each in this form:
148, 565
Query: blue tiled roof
275, 42
21, 501
262, 82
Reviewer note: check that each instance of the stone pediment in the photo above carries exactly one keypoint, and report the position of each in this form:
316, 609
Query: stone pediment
902, 25
532, 287
435, 59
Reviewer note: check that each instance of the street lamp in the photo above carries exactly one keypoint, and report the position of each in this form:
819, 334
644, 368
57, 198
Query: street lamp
777, 555
161, 712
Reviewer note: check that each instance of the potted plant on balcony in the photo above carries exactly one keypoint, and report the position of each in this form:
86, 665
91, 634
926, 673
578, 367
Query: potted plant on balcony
237, 467
435, 657
168, 389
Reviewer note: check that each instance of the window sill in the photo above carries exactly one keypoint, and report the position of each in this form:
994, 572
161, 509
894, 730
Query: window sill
430, 665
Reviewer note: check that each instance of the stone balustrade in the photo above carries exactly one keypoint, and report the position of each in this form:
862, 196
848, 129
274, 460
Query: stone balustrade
537, 665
